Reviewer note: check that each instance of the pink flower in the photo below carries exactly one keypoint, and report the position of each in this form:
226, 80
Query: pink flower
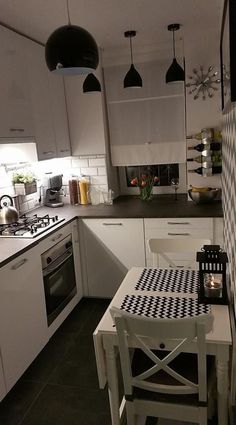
134, 182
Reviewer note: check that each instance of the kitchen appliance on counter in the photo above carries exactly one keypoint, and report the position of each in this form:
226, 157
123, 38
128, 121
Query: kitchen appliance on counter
53, 193
29, 226
8, 214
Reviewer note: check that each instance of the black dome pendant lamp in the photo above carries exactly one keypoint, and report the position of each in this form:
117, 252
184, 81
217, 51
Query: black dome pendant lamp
175, 73
91, 84
132, 78
71, 50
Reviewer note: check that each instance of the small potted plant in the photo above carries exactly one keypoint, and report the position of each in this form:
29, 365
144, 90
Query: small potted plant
24, 183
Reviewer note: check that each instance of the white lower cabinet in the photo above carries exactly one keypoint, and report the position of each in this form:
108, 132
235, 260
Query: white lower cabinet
177, 228
23, 323
111, 248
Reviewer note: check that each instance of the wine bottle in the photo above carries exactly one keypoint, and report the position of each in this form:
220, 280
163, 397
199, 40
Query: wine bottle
207, 171
200, 159
213, 146
206, 133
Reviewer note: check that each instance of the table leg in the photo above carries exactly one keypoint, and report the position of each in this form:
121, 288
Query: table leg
112, 382
222, 391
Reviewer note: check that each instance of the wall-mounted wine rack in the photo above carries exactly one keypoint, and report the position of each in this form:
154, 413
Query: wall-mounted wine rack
208, 145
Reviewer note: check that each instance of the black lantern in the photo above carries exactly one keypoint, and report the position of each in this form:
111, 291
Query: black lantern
212, 275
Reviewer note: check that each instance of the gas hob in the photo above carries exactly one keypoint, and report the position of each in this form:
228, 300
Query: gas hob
29, 226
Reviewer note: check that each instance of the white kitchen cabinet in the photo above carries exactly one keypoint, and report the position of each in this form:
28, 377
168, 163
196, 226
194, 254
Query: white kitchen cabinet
111, 248
16, 120
177, 228
23, 323
41, 104
86, 120
48, 107
77, 257
59, 115
147, 126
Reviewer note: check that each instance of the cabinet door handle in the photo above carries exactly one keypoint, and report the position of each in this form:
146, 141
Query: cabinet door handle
21, 130
177, 267
112, 224
179, 234
184, 223
57, 237
48, 152
18, 265
64, 150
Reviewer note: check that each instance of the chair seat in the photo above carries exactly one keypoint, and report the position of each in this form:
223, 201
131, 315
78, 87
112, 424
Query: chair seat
185, 364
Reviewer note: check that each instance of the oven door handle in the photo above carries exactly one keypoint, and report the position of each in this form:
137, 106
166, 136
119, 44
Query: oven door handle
57, 264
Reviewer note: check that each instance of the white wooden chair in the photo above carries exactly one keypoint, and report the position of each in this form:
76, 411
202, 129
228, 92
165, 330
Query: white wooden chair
166, 384
162, 248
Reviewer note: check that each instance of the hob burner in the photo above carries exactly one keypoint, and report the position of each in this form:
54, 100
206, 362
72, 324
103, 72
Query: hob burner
29, 226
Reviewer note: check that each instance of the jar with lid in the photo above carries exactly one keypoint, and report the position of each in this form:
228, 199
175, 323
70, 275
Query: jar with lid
73, 191
84, 184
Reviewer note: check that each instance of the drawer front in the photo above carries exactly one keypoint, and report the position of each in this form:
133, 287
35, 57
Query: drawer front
183, 228
54, 238
176, 223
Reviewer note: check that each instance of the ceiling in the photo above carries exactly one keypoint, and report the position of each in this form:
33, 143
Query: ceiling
108, 19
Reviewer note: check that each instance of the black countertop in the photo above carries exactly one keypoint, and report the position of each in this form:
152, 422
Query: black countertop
161, 206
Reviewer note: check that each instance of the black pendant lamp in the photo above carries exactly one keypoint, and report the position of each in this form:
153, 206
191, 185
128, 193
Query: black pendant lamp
91, 84
71, 50
175, 73
132, 78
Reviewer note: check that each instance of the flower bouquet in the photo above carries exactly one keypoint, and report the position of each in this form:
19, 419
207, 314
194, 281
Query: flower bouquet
145, 184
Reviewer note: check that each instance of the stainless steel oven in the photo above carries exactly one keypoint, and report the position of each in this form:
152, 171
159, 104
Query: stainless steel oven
59, 277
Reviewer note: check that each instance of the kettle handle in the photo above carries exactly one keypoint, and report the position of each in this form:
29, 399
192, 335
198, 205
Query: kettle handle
6, 196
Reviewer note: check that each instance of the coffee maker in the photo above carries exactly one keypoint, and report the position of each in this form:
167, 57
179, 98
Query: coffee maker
53, 194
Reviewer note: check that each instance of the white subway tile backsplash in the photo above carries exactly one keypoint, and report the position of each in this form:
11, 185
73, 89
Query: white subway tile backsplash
89, 165
102, 171
97, 162
99, 180
89, 171
78, 163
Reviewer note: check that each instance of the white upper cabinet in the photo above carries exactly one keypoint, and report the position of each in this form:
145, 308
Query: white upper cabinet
16, 119
33, 101
41, 103
59, 115
86, 121
147, 125
48, 106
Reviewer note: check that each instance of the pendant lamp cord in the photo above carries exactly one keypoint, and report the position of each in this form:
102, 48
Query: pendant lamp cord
131, 51
68, 12
174, 42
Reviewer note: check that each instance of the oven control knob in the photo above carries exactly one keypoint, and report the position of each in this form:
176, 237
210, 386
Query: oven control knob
56, 217
68, 244
49, 260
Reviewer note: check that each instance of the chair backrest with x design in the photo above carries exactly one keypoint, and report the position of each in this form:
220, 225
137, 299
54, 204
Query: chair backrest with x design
138, 331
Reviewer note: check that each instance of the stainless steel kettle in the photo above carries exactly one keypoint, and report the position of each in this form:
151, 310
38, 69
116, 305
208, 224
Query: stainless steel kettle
8, 214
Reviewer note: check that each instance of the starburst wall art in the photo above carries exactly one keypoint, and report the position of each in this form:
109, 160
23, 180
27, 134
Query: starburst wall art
203, 84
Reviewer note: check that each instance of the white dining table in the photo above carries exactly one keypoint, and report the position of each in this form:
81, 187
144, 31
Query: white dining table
142, 292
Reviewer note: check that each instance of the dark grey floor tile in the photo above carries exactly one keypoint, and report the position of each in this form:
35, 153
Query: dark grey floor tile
18, 401
49, 358
94, 317
79, 365
80, 318
60, 405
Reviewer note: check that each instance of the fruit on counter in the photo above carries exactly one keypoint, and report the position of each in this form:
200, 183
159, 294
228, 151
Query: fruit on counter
200, 189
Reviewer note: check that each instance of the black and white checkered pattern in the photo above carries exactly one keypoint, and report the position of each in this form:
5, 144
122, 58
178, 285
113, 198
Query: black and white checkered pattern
185, 281
229, 189
163, 307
